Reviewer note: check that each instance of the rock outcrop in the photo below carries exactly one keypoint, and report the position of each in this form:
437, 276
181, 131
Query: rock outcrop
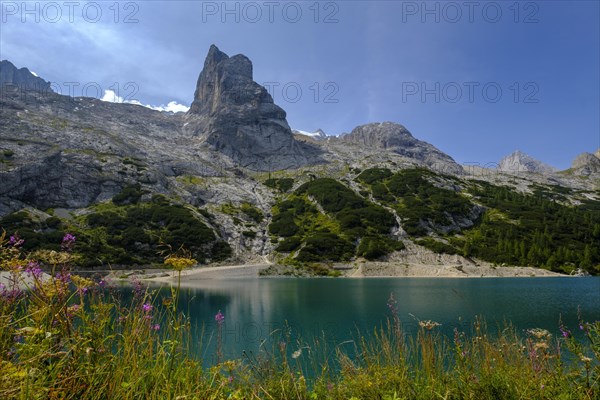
396, 138
519, 162
586, 164
21, 78
237, 117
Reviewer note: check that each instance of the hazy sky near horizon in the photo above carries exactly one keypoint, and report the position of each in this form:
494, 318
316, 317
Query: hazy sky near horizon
476, 79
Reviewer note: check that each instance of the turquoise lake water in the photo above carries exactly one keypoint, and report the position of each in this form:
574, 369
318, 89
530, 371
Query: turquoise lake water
256, 310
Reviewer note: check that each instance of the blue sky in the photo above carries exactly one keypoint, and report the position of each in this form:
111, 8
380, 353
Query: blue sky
478, 80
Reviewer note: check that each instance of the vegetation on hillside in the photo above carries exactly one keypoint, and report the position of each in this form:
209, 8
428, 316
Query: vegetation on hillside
347, 226
126, 233
326, 220
534, 229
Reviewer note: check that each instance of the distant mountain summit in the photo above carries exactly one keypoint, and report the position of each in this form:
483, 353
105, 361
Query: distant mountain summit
318, 134
237, 117
396, 138
520, 162
21, 77
586, 164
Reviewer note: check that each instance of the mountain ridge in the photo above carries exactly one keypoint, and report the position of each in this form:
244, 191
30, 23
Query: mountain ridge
80, 159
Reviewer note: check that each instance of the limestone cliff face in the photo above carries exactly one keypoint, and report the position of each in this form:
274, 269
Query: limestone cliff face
237, 117
396, 138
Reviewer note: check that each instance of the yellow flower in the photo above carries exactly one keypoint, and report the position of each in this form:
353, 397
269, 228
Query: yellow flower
429, 325
82, 282
179, 263
539, 333
53, 257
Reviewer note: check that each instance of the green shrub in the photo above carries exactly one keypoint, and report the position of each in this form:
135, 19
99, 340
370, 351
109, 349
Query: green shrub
325, 247
283, 225
282, 184
289, 244
130, 194
252, 212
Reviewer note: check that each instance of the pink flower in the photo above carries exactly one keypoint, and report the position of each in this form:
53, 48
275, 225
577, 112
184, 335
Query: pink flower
220, 318
68, 242
156, 327
147, 307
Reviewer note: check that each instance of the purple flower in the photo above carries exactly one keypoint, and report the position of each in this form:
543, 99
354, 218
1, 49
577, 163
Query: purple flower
33, 269
220, 318
138, 288
102, 283
15, 241
565, 332
156, 327
68, 242
64, 277
147, 307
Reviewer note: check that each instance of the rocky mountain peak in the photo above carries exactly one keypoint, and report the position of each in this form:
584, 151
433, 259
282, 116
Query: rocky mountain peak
21, 77
319, 134
522, 162
586, 164
237, 117
395, 137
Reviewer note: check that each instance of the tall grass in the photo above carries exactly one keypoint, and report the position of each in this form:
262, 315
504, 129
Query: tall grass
69, 337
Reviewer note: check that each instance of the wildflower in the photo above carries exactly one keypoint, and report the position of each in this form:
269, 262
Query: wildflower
82, 283
297, 354
541, 346
585, 359
429, 325
539, 333
33, 269
147, 307
392, 304
68, 242
565, 332
179, 263
156, 327
220, 318
64, 277
72, 310
15, 241
138, 288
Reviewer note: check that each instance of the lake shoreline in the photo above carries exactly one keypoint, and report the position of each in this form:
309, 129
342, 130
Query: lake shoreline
363, 270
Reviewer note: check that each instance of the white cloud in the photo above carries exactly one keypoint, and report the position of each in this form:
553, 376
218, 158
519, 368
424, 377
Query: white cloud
173, 106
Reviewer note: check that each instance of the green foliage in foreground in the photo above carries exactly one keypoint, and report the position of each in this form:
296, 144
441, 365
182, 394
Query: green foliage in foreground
65, 338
